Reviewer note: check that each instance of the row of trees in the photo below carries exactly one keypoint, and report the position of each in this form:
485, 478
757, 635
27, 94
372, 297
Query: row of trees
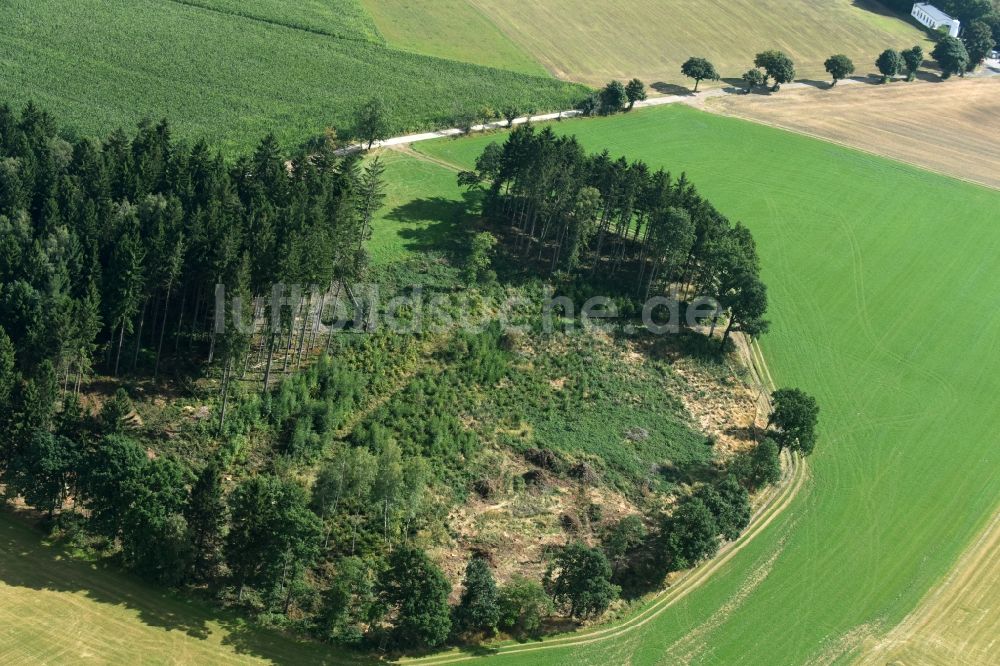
111, 250
615, 97
593, 215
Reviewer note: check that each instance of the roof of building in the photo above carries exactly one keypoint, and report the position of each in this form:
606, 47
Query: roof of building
934, 12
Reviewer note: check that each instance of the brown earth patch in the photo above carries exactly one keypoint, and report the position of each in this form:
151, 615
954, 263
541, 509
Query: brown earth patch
949, 127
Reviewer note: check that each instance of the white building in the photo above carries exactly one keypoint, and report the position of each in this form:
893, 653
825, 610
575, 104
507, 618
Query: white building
934, 18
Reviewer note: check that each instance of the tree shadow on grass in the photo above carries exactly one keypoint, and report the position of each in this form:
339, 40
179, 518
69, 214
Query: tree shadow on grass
929, 77
877, 8
27, 562
821, 85
440, 224
671, 89
870, 79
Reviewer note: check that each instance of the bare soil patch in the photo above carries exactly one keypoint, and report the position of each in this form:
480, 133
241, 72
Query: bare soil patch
949, 127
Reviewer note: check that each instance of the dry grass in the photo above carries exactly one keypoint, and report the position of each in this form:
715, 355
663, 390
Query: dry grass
948, 127
592, 42
957, 623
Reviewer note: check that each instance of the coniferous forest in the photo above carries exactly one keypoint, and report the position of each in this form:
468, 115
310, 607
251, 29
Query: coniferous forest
304, 490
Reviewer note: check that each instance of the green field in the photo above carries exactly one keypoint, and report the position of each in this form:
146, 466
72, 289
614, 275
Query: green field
338, 18
596, 41
422, 210
452, 29
231, 79
874, 269
58, 610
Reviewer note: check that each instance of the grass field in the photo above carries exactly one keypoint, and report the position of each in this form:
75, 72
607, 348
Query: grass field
57, 610
593, 42
452, 29
893, 121
422, 210
227, 78
338, 18
871, 266
958, 622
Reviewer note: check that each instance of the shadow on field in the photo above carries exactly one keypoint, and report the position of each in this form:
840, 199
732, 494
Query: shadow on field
929, 77
442, 223
671, 89
26, 562
822, 85
878, 8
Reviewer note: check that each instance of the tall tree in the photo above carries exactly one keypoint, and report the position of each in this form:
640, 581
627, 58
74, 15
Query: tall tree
729, 503
889, 64
795, 416
700, 70
979, 42
273, 537
839, 67
580, 580
913, 58
417, 592
373, 122
613, 97
777, 65
206, 514
687, 536
635, 91
951, 56
753, 79
758, 467
478, 608
42, 470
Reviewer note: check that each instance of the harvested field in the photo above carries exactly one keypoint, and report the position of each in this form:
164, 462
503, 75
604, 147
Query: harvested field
958, 622
948, 127
592, 42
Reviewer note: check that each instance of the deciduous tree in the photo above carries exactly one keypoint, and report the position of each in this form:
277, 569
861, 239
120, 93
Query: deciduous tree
889, 64
372, 122
700, 70
978, 40
951, 57
913, 58
795, 416
777, 65
635, 91
839, 67
580, 580
417, 592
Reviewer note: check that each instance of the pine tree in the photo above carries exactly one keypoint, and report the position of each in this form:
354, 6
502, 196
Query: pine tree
206, 515
478, 609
